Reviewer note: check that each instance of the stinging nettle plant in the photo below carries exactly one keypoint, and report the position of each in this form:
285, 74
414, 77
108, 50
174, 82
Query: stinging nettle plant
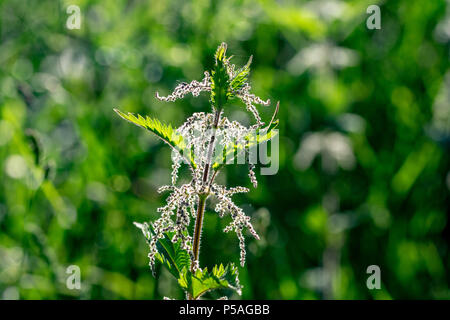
206, 142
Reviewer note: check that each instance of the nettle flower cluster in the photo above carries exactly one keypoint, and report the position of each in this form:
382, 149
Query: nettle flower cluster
206, 142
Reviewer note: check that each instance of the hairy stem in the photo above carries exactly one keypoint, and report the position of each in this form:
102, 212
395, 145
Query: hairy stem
211, 146
198, 228
198, 232
202, 197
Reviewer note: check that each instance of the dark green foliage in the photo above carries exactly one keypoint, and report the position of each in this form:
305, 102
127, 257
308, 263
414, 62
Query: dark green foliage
203, 281
170, 254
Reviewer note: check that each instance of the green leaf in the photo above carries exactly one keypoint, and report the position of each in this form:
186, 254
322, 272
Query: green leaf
241, 77
203, 281
232, 149
170, 254
220, 54
163, 131
220, 78
263, 135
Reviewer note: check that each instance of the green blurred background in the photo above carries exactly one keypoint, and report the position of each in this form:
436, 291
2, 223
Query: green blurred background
364, 139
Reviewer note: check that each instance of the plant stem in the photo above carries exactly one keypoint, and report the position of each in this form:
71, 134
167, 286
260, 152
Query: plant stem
202, 197
211, 145
198, 232
198, 228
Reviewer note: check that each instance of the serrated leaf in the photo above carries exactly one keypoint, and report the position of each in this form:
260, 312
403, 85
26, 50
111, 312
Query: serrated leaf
203, 281
241, 77
220, 78
233, 149
220, 54
170, 254
163, 131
